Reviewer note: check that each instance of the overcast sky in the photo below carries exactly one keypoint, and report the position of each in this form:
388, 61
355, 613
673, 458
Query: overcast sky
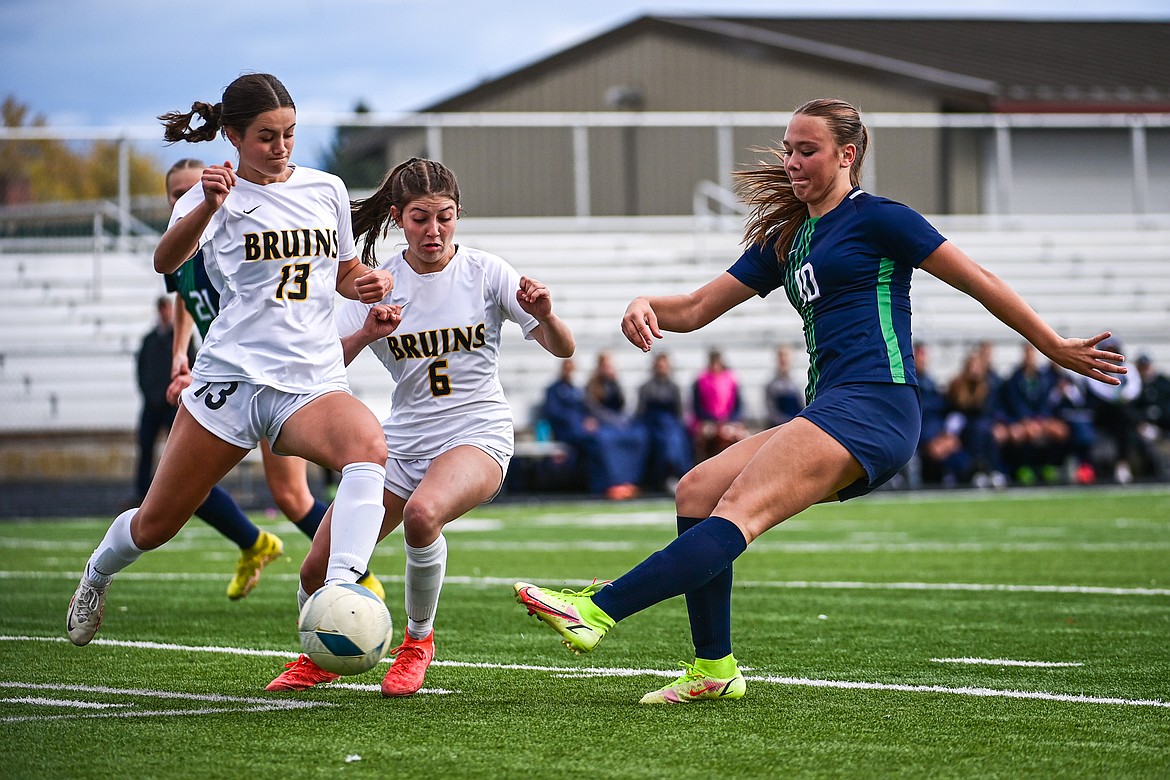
123, 62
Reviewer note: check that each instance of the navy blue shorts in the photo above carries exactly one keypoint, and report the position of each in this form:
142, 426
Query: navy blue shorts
878, 423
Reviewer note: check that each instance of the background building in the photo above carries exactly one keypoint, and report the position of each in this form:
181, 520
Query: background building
969, 116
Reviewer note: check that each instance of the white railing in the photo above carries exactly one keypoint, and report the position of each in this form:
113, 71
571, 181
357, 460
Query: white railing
722, 124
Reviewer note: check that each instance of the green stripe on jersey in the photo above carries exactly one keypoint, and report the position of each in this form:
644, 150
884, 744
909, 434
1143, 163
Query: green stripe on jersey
886, 318
800, 248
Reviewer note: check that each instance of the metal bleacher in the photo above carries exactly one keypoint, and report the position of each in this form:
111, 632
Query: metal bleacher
70, 322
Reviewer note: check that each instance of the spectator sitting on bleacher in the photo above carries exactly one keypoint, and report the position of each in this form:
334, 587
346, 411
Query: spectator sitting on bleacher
718, 409
1071, 404
1115, 417
1033, 437
660, 411
783, 397
969, 397
941, 454
1153, 415
610, 453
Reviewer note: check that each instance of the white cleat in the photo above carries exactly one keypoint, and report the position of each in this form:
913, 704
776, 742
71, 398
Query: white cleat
85, 611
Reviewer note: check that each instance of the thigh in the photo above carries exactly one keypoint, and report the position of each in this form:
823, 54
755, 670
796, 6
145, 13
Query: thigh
700, 489
285, 472
286, 469
797, 466
193, 461
334, 430
456, 482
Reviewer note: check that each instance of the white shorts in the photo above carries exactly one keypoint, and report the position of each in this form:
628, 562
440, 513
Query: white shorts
403, 475
242, 413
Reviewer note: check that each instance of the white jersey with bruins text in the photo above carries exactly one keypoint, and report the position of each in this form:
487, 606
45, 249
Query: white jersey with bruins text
272, 253
444, 356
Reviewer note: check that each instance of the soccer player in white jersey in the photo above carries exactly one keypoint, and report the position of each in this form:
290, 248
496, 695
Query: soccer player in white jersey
449, 432
277, 241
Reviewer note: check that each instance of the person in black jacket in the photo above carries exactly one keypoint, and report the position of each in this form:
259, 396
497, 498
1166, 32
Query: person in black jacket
154, 375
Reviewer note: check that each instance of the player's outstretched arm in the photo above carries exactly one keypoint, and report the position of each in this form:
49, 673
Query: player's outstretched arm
953, 266
647, 317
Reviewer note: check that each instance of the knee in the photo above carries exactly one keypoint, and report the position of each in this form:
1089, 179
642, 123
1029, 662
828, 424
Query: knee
363, 449
292, 500
421, 523
692, 496
373, 448
313, 571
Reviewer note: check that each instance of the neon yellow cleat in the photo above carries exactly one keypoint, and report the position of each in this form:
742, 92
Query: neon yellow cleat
266, 549
572, 614
695, 685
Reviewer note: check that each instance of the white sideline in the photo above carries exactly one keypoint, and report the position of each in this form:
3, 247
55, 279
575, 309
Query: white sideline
1005, 662
480, 582
597, 672
226, 703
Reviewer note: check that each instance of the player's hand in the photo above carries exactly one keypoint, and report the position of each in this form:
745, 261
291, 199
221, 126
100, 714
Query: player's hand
382, 320
640, 325
373, 286
1082, 356
218, 181
179, 365
178, 385
534, 298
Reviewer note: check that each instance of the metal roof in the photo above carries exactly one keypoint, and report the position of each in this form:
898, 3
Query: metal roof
978, 64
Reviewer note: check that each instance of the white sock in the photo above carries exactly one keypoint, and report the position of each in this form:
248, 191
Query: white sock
357, 519
425, 567
302, 597
115, 552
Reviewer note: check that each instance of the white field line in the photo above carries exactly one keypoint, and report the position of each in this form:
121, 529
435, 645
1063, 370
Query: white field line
71, 703
618, 672
855, 543
1005, 662
844, 546
244, 703
213, 698
792, 547
490, 582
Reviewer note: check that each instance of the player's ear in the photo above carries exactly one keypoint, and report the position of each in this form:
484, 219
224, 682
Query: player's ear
395, 216
848, 155
233, 137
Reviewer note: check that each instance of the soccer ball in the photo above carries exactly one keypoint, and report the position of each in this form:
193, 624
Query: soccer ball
345, 629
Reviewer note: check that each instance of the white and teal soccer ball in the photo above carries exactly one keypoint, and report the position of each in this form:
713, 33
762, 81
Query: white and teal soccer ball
345, 629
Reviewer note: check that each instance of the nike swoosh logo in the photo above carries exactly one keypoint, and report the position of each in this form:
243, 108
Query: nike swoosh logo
249, 211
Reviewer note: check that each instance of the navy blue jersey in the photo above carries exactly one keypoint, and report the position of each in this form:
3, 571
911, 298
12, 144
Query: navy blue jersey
848, 275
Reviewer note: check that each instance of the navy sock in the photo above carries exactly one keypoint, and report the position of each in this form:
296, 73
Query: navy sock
689, 562
709, 608
221, 512
312, 521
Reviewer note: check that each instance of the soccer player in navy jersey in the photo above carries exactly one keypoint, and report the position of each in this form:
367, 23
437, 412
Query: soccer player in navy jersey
844, 258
